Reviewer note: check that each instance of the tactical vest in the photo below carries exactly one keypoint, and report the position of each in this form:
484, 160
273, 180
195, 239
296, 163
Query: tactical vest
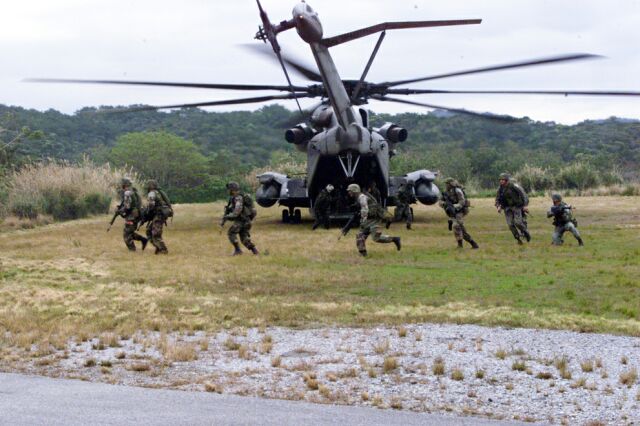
376, 211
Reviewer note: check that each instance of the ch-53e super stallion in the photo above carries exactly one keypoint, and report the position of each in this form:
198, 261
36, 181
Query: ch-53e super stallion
341, 144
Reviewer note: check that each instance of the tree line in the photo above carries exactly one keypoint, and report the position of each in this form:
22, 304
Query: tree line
194, 152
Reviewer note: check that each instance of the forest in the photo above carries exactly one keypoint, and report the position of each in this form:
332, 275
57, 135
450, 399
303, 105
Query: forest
193, 152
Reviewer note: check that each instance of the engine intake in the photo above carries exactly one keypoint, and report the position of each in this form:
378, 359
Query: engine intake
299, 134
393, 133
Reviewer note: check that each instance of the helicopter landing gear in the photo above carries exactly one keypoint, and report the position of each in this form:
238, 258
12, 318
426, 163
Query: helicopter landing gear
292, 216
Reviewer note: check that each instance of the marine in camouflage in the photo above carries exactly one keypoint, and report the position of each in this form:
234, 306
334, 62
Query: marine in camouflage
404, 198
371, 214
512, 199
239, 214
130, 211
456, 206
322, 207
157, 209
563, 221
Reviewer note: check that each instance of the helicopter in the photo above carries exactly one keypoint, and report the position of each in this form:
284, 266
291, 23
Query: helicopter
341, 145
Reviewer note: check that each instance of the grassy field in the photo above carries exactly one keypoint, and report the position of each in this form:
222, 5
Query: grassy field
74, 279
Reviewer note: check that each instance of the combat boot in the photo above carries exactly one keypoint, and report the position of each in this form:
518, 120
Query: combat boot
408, 226
396, 241
474, 245
145, 241
580, 242
255, 251
363, 253
236, 251
450, 222
459, 244
519, 241
315, 226
387, 225
527, 236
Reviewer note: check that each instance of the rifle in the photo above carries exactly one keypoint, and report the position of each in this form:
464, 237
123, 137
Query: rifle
144, 217
350, 224
115, 215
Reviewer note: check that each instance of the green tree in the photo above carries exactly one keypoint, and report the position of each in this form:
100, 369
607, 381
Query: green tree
174, 162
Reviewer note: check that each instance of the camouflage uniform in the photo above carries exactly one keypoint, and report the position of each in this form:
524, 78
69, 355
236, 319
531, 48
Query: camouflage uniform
322, 207
158, 207
371, 213
404, 198
375, 192
130, 212
456, 206
237, 212
513, 200
562, 220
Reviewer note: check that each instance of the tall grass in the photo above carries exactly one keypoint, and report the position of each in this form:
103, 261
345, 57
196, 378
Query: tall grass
63, 190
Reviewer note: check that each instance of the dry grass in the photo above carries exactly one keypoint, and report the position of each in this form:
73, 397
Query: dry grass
587, 366
179, 352
381, 347
390, 363
629, 377
544, 375
139, 367
402, 331
501, 354
518, 365
480, 374
51, 285
438, 367
457, 374
276, 361
213, 387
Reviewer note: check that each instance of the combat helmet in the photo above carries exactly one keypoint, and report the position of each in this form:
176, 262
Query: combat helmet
233, 186
505, 176
450, 181
329, 188
556, 197
125, 181
152, 184
354, 188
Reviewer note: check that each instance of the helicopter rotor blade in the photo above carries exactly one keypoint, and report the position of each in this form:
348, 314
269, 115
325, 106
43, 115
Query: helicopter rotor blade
487, 115
356, 91
363, 32
522, 64
296, 64
514, 92
268, 33
170, 84
295, 96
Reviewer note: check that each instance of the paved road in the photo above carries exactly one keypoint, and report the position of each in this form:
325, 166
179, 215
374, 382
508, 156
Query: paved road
29, 400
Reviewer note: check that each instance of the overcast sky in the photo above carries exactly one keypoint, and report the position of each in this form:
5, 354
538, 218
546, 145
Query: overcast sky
198, 41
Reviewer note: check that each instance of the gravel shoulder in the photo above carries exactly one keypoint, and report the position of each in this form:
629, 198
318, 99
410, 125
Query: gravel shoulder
545, 376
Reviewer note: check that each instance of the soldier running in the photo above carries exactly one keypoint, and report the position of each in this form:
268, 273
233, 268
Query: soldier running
371, 213
240, 210
563, 220
456, 205
158, 210
404, 198
129, 209
513, 200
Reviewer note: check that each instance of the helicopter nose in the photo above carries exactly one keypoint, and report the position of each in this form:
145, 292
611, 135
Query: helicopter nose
307, 24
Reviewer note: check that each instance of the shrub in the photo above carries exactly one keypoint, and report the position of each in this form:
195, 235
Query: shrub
534, 179
63, 190
578, 176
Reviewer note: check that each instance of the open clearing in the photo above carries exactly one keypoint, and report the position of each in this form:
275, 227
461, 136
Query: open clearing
75, 303
76, 278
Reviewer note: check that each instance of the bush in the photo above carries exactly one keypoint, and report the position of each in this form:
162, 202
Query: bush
578, 176
62, 190
534, 179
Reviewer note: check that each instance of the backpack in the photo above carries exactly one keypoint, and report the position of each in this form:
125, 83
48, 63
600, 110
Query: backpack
166, 209
525, 197
249, 209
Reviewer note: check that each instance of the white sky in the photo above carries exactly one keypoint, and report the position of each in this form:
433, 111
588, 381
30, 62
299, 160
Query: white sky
198, 41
